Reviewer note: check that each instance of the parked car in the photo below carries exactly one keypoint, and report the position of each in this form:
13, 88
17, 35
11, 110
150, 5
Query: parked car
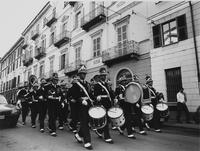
9, 114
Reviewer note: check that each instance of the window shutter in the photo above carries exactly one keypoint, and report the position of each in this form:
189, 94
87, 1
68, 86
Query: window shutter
157, 36
182, 28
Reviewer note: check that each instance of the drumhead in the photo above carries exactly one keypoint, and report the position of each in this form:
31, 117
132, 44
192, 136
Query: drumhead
162, 107
97, 112
147, 109
115, 112
133, 92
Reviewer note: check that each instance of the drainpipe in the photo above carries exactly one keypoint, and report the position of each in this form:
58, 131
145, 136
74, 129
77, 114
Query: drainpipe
195, 44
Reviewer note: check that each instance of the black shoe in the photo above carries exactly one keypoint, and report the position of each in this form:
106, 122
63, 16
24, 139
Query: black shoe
189, 122
53, 134
42, 130
109, 140
60, 127
78, 138
132, 136
33, 126
88, 146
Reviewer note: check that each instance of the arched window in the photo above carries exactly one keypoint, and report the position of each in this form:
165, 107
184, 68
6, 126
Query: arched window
125, 72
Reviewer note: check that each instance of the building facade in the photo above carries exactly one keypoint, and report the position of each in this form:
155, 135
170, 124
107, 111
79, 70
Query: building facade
127, 37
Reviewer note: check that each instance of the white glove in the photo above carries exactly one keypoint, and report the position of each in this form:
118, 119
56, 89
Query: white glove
120, 96
137, 105
65, 101
19, 104
98, 98
115, 101
62, 104
72, 100
41, 97
84, 102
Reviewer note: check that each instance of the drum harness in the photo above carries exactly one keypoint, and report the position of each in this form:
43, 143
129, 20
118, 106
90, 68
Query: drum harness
85, 91
108, 94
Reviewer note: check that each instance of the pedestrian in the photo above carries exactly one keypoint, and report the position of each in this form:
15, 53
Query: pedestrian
181, 106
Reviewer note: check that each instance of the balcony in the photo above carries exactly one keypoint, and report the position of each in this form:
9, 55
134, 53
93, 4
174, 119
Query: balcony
25, 45
34, 34
62, 38
95, 17
72, 3
28, 61
51, 19
73, 67
39, 53
119, 53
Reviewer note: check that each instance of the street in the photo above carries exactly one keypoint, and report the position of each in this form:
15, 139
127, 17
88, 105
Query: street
25, 138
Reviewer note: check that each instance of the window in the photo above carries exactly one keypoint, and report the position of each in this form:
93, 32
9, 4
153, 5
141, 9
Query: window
170, 32
96, 47
78, 55
62, 66
43, 45
125, 72
77, 19
35, 70
37, 28
51, 60
41, 70
18, 79
122, 38
44, 22
52, 38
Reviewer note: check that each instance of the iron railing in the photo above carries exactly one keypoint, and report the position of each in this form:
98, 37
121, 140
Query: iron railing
120, 50
62, 35
100, 10
74, 66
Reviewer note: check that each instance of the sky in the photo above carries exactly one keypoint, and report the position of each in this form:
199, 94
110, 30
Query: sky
15, 15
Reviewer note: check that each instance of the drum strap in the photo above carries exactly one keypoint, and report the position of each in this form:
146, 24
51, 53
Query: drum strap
105, 90
85, 91
122, 87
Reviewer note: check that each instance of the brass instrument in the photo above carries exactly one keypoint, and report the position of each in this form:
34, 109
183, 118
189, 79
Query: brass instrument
32, 80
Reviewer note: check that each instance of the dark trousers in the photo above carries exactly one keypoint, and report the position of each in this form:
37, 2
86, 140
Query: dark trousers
25, 110
137, 117
52, 107
182, 107
75, 109
42, 113
34, 112
156, 119
128, 117
62, 113
84, 120
106, 104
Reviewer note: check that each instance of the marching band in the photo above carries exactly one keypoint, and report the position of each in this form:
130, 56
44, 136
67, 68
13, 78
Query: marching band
85, 106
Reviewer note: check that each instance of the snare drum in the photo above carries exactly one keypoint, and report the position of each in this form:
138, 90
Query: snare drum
97, 117
163, 109
147, 111
117, 116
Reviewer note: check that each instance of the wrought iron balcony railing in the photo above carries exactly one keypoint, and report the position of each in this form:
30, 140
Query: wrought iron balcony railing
119, 51
98, 15
34, 34
72, 3
40, 52
74, 66
62, 38
27, 61
51, 19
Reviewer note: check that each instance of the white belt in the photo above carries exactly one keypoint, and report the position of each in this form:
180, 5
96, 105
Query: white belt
84, 98
54, 98
104, 96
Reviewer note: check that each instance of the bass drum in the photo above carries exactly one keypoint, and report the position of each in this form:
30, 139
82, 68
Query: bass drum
97, 117
133, 92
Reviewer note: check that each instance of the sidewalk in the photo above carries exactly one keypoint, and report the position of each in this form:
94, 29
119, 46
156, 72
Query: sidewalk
174, 124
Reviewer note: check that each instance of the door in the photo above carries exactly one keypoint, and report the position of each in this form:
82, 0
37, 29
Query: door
173, 83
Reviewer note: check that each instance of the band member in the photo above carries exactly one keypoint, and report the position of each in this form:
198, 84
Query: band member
126, 106
33, 94
154, 100
54, 97
105, 98
63, 107
136, 108
23, 102
81, 93
74, 107
42, 104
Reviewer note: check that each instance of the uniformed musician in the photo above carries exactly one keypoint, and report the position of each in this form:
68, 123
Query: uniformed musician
126, 106
54, 97
23, 102
42, 104
154, 99
81, 93
105, 97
